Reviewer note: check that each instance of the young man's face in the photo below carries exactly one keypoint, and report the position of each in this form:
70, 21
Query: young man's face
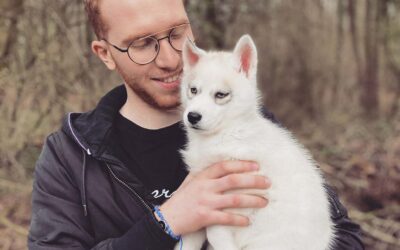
130, 19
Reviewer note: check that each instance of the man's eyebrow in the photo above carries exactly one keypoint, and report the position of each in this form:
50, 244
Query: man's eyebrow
138, 36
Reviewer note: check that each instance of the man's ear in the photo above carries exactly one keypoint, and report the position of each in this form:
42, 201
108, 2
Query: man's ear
100, 48
191, 54
245, 53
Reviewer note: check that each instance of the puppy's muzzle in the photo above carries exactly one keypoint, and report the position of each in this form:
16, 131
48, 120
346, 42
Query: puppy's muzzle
194, 117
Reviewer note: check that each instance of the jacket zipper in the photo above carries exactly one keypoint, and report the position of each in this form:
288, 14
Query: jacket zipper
128, 187
76, 138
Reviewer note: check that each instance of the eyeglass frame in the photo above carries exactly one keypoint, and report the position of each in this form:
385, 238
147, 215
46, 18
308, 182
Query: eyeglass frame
156, 39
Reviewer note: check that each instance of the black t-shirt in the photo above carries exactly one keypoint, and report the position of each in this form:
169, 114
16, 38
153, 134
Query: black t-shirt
152, 155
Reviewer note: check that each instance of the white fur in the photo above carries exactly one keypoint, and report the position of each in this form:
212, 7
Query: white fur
297, 216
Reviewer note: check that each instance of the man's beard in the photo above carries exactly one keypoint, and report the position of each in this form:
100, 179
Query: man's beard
150, 98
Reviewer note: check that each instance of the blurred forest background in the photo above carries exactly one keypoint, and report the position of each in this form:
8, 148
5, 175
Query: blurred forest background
329, 70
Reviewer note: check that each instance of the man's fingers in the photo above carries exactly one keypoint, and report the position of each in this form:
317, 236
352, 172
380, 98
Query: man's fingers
226, 218
241, 181
239, 201
229, 167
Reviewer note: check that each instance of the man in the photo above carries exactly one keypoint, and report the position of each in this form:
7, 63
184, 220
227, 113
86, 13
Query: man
98, 178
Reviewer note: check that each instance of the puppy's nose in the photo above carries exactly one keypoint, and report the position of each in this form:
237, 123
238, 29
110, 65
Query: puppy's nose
194, 117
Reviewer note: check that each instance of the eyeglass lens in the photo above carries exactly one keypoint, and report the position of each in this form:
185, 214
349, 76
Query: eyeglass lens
145, 50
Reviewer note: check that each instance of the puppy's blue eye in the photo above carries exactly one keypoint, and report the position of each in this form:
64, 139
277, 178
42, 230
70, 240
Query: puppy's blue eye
221, 95
193, 91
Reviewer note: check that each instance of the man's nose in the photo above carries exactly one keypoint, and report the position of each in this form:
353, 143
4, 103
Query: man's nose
168, 57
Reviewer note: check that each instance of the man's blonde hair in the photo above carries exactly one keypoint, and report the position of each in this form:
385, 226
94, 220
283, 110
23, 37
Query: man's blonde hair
92, 8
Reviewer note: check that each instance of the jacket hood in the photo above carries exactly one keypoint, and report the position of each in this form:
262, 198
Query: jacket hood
90, 129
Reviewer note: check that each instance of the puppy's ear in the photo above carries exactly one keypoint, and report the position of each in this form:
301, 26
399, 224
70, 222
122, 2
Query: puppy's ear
245, 53
191, 54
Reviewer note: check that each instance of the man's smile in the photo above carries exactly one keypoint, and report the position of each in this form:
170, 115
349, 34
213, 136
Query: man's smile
169, 82
169, 78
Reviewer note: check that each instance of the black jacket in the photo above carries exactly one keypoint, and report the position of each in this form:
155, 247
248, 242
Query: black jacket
85, 198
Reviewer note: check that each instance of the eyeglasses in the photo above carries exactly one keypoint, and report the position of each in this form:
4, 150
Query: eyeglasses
146, 49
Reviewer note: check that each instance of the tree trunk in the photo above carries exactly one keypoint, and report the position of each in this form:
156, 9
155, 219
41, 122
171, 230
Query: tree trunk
352, 4
390, 57
370, 83
339, 47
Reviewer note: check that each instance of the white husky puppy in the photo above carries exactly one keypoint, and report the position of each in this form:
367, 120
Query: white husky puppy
223, 122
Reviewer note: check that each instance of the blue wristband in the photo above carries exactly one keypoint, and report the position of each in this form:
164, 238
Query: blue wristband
167, 228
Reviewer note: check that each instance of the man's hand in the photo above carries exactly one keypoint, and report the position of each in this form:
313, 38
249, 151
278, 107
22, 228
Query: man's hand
200, 199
